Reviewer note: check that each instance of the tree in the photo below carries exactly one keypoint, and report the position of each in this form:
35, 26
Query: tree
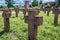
30, 5
9, 3
35, 3
58, 2
40, 3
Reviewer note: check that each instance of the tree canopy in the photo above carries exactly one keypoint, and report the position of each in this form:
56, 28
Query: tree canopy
58, 2
35, 3
9, 3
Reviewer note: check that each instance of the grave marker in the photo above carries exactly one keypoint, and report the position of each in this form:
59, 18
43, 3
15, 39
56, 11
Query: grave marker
33, 21
17, 11
56, 12
6, 15
48, 10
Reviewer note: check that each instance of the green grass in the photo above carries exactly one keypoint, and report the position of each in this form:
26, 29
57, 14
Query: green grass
19, 29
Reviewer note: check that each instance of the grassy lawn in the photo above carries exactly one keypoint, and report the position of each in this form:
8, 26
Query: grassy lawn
19, 29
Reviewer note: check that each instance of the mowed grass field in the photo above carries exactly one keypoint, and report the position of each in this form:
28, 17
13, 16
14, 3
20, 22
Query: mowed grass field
19, 29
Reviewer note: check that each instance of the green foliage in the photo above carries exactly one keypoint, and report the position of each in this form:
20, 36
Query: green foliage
40, 2
30, 5
58, 2
35, 3
9, 3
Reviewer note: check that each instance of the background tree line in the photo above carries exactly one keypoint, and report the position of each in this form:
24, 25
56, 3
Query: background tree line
32, 4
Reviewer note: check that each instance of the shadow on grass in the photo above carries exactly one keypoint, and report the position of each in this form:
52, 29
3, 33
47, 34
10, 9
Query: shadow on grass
58, 24
55, 24
13, 17
2, 32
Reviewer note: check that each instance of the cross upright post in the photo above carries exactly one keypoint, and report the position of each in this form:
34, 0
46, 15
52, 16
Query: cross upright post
17, 11
32, 20
56, 12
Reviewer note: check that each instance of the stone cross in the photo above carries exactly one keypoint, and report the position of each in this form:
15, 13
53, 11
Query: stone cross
56, 12
6, 15
33, 21
17, 11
